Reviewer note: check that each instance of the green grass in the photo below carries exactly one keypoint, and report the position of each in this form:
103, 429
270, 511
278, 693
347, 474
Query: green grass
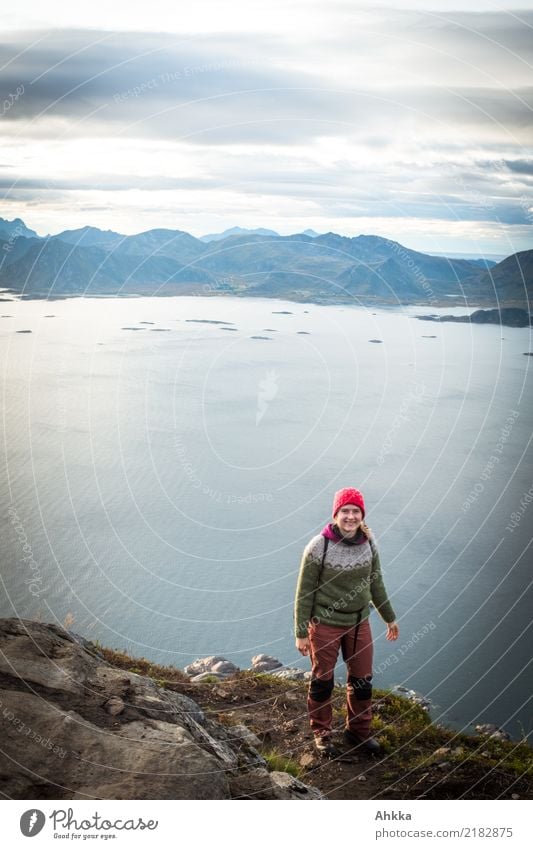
142, 666
275, 680
279, 763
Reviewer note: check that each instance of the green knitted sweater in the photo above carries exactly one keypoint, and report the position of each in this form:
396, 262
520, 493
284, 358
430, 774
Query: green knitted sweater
350, 581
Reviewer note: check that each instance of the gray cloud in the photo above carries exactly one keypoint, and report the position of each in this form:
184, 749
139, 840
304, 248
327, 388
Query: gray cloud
212, 91
133, 77
520, 166
107, 183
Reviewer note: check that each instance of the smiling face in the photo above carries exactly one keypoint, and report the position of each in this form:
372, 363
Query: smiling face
349, 519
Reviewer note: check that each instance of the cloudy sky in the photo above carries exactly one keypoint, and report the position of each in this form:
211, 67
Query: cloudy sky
404, 119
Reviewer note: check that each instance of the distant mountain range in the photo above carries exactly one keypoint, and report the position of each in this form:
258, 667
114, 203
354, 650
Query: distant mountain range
240, 231
237, 231
325, 268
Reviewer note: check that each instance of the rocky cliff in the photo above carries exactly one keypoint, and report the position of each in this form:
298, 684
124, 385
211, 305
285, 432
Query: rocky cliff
75, 727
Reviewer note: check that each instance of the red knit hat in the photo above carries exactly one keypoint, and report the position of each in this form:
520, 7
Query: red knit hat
348, 496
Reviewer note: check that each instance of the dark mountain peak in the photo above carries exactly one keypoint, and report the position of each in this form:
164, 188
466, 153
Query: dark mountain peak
512, 278
332, 237
163, 232
372, 239
90, 236
16, 228
523, 260
162, 242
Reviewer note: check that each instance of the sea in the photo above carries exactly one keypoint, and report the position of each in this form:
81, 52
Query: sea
165, 460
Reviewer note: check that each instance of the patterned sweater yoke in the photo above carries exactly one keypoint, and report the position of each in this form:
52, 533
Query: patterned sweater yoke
341, 594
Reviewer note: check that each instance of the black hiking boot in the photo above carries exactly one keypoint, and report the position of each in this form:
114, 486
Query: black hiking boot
368, 744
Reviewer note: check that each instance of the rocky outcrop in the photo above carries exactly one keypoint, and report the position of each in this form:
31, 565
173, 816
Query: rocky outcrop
75, 727
208, 668
492, 731
216, 666
265, 663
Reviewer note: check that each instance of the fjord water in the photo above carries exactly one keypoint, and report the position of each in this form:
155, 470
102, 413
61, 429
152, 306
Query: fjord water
159, 484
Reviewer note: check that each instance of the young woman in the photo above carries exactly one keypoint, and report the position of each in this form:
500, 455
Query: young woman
340, 574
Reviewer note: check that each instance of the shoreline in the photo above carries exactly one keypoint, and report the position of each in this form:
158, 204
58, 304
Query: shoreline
298, 298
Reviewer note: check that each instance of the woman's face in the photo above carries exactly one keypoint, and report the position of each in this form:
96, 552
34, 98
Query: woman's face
349, 519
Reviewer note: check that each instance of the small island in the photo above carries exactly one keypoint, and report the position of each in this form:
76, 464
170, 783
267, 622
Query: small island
206, 321
509, 316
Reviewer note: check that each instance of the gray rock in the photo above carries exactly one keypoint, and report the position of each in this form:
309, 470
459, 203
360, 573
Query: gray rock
263, 667
246, 734
203, 664
421, 701
206, 676
114, 706
74, 727
413, 697
500, 735
224, 667
261, 784
86, 644
492, 731
442, 753
264, 663
287, 787
289, 673
486, 728
185, 706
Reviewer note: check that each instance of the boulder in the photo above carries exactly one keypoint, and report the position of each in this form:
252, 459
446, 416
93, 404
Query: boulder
242, 732
224, 667
114, 705
492, 731
261, 784
203, 664
75, 727
289, 673
218, 665
442, 753
206, 676
264, 663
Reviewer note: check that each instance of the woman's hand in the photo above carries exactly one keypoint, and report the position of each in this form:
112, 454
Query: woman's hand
302, 644
393, 632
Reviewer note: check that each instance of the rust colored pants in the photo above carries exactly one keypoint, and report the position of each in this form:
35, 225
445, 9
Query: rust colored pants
357, 651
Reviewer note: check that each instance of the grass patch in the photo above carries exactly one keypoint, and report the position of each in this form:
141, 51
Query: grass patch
274, 680
279, 763
141, 666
